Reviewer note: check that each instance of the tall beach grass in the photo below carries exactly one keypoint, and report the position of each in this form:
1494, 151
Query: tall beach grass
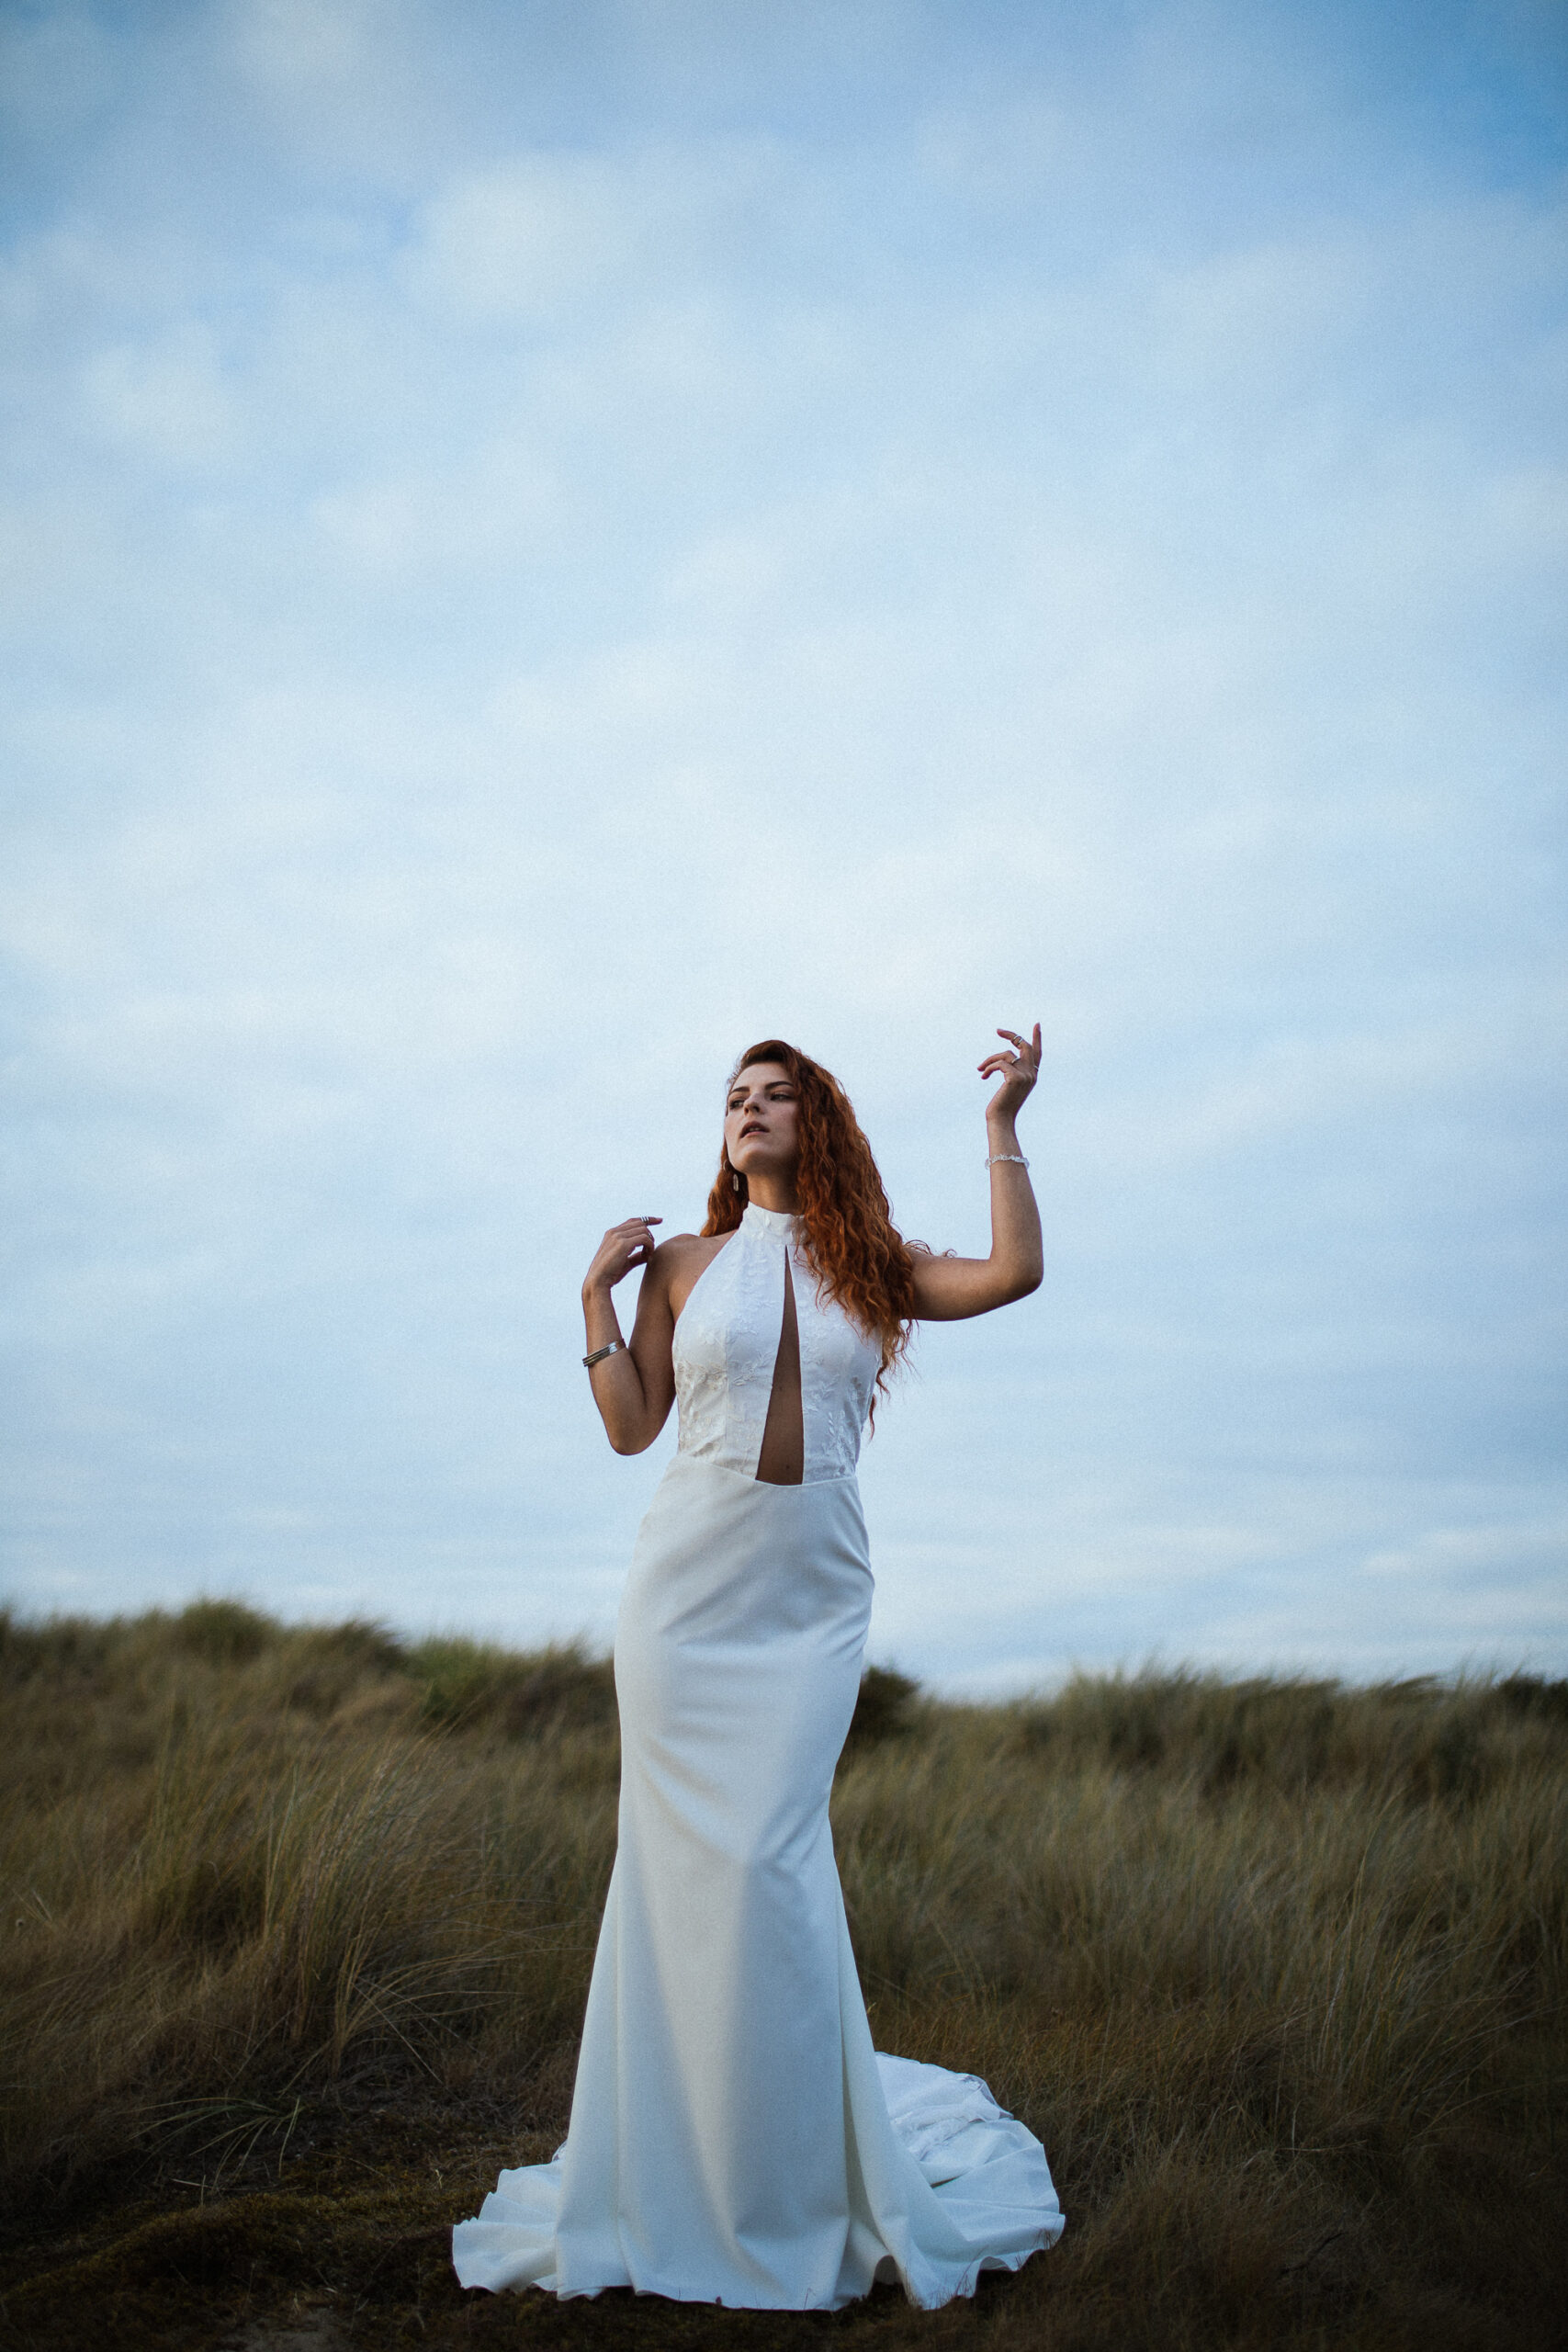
1275, 1967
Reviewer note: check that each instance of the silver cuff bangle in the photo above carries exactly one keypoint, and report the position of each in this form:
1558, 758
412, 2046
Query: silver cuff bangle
1009, 1159
615, 1346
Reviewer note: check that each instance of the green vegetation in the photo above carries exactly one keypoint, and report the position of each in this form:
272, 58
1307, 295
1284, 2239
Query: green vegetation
298, 1928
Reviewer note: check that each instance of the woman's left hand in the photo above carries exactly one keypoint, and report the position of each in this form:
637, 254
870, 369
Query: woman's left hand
949, 1289
1018, 1072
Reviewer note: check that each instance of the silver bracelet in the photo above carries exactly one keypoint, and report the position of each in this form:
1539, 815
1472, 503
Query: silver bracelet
1010, 1159
615, 1346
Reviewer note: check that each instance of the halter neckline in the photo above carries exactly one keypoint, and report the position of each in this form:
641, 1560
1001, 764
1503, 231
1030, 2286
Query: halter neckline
781, 1223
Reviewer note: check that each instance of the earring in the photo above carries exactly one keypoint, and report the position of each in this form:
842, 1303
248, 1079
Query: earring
734, 1181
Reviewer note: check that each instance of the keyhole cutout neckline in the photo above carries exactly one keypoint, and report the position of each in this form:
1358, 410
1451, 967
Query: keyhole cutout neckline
726, 1357
782, 1461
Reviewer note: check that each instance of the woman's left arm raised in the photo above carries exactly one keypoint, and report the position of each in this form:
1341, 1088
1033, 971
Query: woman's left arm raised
949, 1289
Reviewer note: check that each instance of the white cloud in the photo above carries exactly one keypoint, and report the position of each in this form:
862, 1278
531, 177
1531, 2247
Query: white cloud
294, 46
1469, 1556
536, 234
163, 401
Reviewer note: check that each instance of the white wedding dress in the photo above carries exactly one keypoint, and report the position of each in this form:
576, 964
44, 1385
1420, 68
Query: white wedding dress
734, 2136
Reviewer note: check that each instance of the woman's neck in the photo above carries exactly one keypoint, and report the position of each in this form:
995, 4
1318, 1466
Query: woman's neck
776, 1192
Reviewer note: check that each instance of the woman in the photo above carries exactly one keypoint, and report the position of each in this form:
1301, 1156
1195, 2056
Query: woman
734, 2136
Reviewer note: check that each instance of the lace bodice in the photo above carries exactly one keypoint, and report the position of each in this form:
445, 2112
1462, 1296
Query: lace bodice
727, 1342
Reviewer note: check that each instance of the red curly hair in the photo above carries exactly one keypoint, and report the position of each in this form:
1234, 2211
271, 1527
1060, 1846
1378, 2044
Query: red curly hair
861, 1258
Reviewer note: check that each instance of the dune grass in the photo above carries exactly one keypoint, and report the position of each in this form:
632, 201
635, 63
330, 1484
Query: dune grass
298, 1922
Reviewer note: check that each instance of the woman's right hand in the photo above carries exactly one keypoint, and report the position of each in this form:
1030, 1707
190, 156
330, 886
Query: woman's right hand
634, 1386
628, 1244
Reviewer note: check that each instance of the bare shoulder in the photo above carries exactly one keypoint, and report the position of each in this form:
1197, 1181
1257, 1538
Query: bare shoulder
680, 1261
688, 1248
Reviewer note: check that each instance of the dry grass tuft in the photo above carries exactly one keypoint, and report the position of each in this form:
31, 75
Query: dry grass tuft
298, 1924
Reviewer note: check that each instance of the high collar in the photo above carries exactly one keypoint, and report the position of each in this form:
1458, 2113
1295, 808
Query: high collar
778, 1224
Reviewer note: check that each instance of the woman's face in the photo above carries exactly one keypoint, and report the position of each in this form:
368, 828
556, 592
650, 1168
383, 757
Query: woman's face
760, 1133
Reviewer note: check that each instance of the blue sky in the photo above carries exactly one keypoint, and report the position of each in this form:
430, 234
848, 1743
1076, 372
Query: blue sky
543, 542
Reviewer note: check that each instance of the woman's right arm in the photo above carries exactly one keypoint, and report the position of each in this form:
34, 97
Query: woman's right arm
634, 1388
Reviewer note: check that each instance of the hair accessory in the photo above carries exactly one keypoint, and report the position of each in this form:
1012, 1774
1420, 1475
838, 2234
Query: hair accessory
616, 1347
1008, 1159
